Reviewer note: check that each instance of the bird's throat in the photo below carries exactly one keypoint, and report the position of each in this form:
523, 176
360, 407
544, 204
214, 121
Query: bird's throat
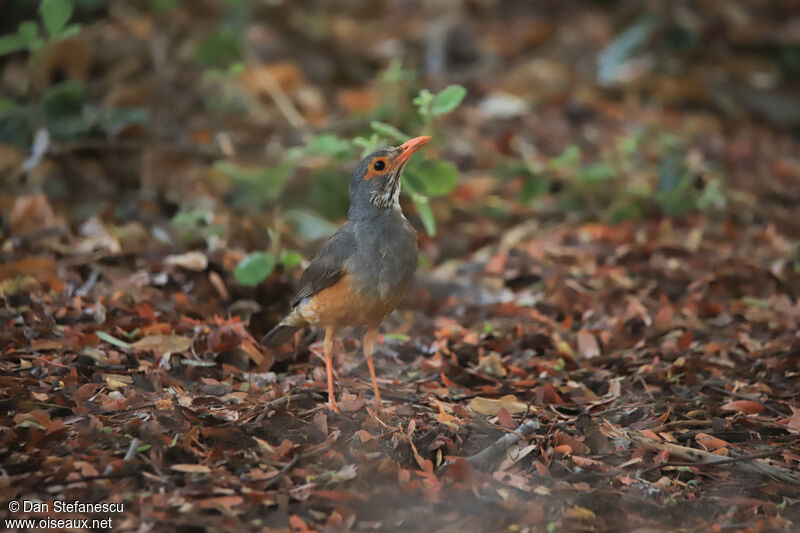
389, 197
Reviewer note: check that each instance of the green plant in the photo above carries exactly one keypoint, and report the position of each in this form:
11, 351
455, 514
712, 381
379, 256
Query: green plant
54, 15
256, 266
644, 172
62, 108
423, 178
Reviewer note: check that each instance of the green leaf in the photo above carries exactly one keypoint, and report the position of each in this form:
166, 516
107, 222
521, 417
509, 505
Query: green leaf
367, 144
627, 211
117, 119
163, 5
535, 185
220, 49
423, 209
254, 268
328, 144
55, 14
63, 110
28, 30
255, 185
448, 99
70, 31
569, 157
105, 337
423, 102
290, 259
432, 177
309, 225
11, 43
388, 131
598, 173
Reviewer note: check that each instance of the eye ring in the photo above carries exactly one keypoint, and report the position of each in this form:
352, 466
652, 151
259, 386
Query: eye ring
377, 167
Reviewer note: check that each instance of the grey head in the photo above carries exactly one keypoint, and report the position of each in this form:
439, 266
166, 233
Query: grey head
375, 183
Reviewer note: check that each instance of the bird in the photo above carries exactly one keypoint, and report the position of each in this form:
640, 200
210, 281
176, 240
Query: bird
361, 273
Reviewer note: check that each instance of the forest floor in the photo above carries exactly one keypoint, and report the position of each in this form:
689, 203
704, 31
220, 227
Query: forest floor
549, 371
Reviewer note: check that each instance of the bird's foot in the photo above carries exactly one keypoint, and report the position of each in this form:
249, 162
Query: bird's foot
332, 406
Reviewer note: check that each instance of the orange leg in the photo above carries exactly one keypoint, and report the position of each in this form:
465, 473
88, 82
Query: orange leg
369, 346
330, 331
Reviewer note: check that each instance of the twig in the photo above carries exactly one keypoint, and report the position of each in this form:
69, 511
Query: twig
126, 410
745, 397
488, 455
283, 471
726, 461
322, 448
267, 81
264, 408
700, 457
681, 424
131, 449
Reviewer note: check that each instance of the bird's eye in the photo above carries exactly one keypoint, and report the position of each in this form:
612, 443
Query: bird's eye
377, 167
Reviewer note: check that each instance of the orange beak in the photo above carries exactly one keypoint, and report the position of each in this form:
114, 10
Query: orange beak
409, 147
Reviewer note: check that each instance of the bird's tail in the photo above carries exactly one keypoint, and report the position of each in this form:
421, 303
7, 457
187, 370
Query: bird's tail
284, 330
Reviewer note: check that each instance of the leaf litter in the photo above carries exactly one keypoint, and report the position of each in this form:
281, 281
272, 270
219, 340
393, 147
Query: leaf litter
546, 373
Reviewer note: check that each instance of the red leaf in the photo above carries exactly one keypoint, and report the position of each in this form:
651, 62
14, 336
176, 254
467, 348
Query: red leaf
710, 443
459, 470
505, 419
746, 407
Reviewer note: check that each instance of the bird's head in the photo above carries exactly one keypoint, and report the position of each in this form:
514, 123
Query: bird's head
375, 184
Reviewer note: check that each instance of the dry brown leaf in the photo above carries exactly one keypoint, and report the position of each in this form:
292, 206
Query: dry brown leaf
163, 343
191, 469
587, 344
492, 365
490, 407
194, 261
29, 266
32, 215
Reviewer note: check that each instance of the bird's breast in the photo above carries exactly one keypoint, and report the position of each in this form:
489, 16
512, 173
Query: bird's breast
343, 304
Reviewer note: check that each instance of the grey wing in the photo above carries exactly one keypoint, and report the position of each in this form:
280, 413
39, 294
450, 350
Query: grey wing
327, 266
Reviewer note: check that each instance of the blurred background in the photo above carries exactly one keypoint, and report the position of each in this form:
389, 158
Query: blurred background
608, 228
231, 126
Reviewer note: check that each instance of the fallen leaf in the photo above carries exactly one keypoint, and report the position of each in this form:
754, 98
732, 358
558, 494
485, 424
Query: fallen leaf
746, 407
793, 422
350, 403
364, 436
194, 261
29, 266
580, 513
346, 473
710, 443
492, 365
490, 407
163, 344
31, 215
587, 344
191, 469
